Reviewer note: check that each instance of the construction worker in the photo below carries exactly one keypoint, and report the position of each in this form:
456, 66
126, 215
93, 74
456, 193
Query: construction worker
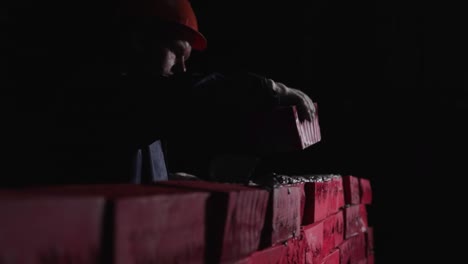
113, 112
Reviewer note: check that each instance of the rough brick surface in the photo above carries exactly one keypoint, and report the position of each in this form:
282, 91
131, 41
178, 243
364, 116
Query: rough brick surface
235, 218
354, 223
332, 258
317, 201
333, 231
38, 230
313, 235
365, 191
285, 212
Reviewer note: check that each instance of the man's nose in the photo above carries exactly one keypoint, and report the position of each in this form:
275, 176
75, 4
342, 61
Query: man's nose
183, 67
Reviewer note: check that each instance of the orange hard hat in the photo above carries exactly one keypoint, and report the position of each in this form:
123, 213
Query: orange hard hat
177, 12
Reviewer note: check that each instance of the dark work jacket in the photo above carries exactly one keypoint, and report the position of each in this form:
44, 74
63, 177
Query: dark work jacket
105, 126
111, 125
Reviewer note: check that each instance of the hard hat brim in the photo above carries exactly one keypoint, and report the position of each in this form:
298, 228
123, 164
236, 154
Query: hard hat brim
198, 41
194, 37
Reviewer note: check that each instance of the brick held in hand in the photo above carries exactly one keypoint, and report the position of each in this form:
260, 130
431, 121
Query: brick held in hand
365, 191
333, 231
351, 189
235, 218
146, 224
282, 131
284, 216
258, 131
309, 130
313, 235
47, 229
332, 258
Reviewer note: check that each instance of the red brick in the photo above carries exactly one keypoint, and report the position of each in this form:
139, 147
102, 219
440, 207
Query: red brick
359, 248
370, 240
295, 251
313, 234
160, 229
245, 260
345, 249
351, 189
337, 201
147, 223
354, 222
365, 191
281, 131
353, 249
235, 220
289, 252
309, 131
110, 191
269, 255
333, 231
316, 201
285, 212
39, 229
363, 213
332, 258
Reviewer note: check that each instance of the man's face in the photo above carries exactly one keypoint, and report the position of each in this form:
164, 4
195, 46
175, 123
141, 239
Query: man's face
169, 57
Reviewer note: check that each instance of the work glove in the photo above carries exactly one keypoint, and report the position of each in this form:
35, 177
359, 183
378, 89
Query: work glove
289, 96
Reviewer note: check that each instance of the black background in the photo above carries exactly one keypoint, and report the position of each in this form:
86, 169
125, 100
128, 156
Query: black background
389, 78
390, 81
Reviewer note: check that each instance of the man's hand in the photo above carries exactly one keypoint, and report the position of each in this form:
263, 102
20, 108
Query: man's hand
290, 96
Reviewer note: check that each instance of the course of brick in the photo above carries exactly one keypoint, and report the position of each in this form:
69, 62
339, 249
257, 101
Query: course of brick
334, 226
313, 219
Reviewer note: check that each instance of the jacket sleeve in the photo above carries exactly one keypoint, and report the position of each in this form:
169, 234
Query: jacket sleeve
219, 106
244, 91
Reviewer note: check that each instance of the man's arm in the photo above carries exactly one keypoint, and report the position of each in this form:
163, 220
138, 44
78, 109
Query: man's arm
250, 91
